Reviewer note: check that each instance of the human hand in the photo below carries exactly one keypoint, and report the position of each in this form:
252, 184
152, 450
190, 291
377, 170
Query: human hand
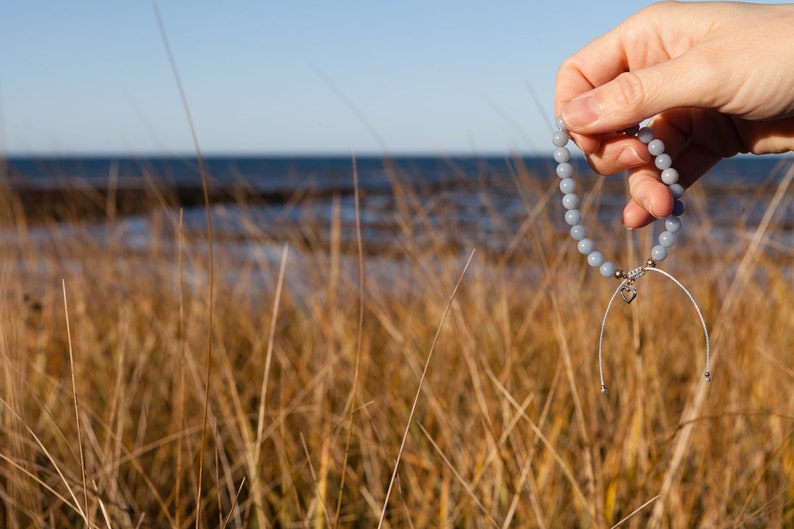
717, 79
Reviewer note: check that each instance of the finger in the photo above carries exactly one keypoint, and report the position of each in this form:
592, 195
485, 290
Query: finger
639, 94
619, 153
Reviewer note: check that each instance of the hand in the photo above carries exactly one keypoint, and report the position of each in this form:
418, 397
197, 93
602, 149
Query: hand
716, 78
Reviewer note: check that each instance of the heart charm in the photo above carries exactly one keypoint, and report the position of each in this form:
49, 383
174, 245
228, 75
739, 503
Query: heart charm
628, 293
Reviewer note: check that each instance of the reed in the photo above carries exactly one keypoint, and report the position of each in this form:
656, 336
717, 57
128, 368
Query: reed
319, 349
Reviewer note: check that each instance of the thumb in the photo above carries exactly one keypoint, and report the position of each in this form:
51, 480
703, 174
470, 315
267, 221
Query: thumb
633, 96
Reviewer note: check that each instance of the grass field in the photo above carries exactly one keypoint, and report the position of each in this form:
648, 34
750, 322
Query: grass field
282, 384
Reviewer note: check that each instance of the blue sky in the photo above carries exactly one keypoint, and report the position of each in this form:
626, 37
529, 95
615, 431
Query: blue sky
279, 77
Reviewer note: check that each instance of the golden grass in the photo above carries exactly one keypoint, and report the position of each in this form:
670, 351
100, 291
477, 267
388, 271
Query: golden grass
315, 368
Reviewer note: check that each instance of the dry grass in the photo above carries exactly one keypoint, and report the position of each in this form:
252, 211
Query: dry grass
310, 395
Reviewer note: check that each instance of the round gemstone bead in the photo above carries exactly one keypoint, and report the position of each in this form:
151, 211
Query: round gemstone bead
659, 253
573, 217
645, 135
560, 138
570, 201
560, 124
667, 239
669, 176
672, 224
678, 208
578, 232
585, 246
677, 190
656, 147
562, 154
595, 259
663, 161
568, 185
565, 170
608, 269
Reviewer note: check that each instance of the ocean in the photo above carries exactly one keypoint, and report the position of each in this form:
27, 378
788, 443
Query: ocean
470, 200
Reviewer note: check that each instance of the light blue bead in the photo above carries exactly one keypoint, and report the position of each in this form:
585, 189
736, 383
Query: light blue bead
570, 201
567, 185
672, 224
585, 246
656, 147
560, 124
595, 259
677, 190
573, 217
562, 154
608, 269
565, 170
559, 138
645, 135
678, 208
663, 161
669, 176
659, 253
667, 239
578, 232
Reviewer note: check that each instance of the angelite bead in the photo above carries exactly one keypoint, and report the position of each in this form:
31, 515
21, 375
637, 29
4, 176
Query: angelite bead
562, 155
578, 232
672, 224
571, 201
565, 170
573, 217
667, 239
585, 246
595, 259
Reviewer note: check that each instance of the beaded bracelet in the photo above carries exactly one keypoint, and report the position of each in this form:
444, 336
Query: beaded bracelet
586, 246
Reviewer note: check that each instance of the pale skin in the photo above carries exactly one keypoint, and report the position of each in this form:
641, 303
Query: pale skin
715, 78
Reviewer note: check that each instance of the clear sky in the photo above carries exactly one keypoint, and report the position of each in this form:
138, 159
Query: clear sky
273, 77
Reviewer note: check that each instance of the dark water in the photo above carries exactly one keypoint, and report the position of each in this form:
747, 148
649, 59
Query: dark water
482, 200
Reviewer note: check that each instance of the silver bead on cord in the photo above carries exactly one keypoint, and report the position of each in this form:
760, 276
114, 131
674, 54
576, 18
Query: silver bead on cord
586, 246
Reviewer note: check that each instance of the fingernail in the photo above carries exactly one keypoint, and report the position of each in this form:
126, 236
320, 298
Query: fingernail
580, 111
629, 157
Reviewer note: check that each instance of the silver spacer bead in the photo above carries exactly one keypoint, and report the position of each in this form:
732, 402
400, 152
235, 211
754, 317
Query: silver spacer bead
650, 263
620, 274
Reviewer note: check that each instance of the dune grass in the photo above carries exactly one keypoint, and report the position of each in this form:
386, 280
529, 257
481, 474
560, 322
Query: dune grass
318, 350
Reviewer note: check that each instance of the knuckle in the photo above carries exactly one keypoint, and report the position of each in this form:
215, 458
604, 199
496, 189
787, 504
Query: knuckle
629, 91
